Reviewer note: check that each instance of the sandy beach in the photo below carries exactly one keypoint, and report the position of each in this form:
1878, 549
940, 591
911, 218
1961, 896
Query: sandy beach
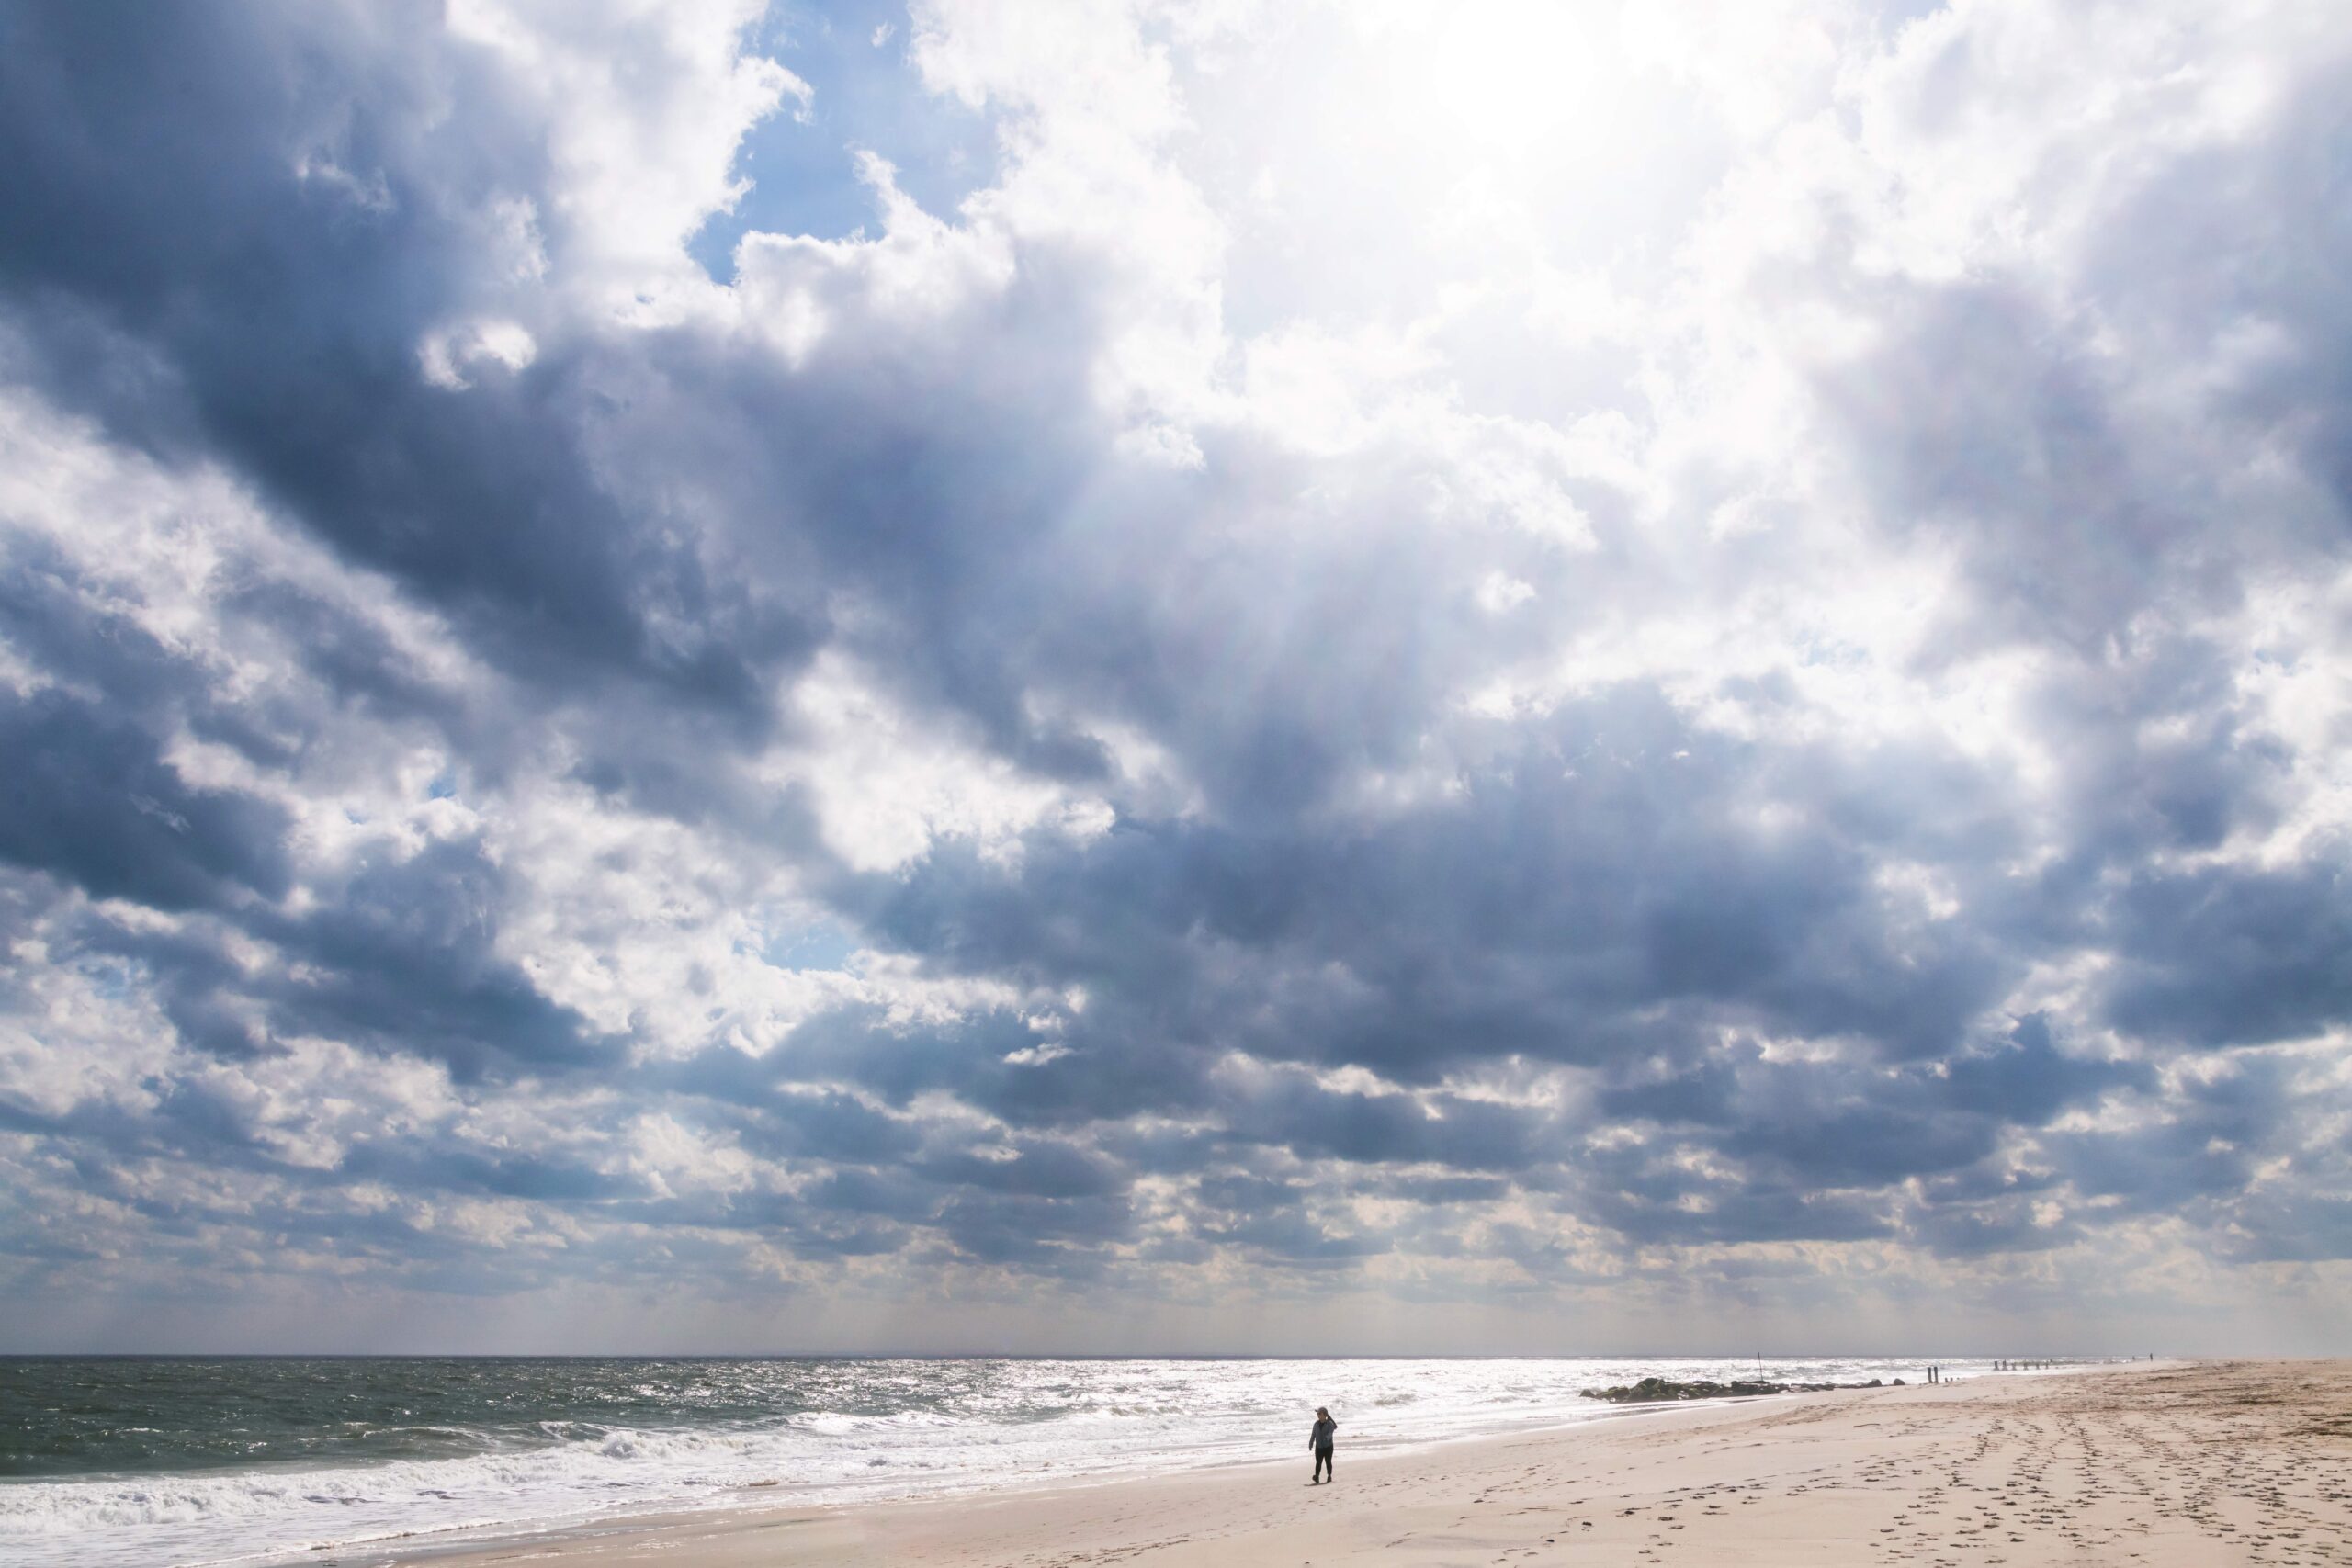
2166, 1465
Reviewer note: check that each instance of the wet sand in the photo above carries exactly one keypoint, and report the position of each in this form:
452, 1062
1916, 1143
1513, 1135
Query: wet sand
2196, 1465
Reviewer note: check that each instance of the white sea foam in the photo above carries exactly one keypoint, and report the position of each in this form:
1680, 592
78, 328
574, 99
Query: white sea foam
1030, 1422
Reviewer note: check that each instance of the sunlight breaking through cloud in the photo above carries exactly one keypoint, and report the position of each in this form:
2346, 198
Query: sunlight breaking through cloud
1545, 670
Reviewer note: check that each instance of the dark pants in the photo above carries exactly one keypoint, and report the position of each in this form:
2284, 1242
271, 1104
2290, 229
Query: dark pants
1322, 1464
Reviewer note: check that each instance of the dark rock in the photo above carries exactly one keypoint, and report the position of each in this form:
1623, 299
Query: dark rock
1661, 1391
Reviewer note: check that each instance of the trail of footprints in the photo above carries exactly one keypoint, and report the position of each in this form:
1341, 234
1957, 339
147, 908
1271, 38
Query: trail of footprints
2105, 1484
2135, 1468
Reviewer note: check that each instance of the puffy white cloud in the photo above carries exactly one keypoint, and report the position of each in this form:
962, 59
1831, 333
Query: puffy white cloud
640, 105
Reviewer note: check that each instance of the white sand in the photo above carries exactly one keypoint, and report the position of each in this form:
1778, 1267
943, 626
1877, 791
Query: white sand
2170, 1466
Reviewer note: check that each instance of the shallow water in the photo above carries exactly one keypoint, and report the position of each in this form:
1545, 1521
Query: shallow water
122, 1460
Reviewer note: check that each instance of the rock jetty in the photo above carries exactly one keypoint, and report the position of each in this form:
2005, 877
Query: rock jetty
1659, 1390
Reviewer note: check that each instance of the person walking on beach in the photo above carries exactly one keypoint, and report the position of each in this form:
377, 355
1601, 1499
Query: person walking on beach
1319, 1440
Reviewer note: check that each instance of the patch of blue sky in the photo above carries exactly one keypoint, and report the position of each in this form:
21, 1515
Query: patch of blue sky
116, 982
865, 95
824, 945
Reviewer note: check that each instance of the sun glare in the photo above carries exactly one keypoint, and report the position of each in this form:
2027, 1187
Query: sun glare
1504, 77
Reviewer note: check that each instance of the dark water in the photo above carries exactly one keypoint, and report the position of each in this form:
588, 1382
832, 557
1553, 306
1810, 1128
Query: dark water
81, 1416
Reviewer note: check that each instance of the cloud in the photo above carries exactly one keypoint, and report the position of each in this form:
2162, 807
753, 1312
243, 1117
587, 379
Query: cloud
1733, 705
93, 803
2232, 956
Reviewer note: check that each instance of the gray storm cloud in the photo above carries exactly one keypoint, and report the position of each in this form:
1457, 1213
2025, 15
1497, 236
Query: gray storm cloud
1776, 750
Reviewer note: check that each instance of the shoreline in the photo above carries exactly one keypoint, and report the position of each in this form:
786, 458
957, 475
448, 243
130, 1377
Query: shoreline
466, 1544
665, 1531
2156, 1459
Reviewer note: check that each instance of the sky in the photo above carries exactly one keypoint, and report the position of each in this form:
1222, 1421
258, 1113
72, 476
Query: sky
1176, 675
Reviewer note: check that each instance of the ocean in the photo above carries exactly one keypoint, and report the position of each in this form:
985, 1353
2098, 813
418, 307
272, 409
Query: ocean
153, 1462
